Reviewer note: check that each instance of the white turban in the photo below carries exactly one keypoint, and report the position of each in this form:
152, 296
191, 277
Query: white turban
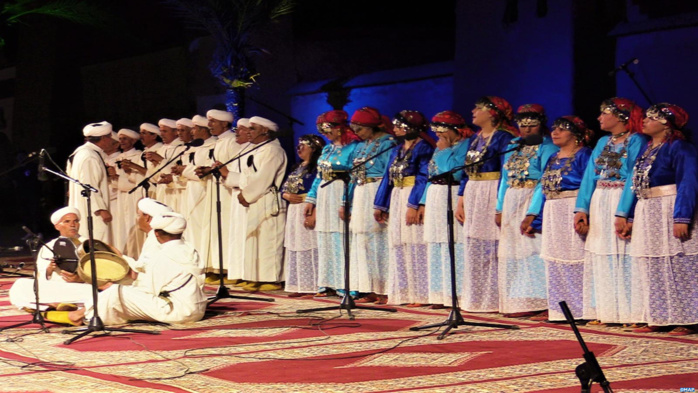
97, 129
245, 122
167, 123
200, 121
185, 122
171, 222
129, 133
152, 207
220, 115
270, 125
114, 136
60, 213
150, 127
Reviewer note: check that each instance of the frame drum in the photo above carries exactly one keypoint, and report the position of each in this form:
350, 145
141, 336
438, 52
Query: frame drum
110, 267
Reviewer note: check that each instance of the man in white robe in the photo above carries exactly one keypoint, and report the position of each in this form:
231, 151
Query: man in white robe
54, 285
126, 180
171, 146
88, 165
150, 137
196, 213
176, 185
147, 209
262, 174
234, 249
219, 122
169, 290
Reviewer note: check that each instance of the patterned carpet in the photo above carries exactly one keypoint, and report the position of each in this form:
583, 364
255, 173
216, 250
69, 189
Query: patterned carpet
253, 346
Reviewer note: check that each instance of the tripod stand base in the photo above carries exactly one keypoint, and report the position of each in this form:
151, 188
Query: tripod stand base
347, 304
36, 319
96, 325
223, 293
454, 320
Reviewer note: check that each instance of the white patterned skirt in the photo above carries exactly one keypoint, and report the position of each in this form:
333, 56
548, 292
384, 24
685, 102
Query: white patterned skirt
668, 267
369, 244
522, 285
438, 254
330, 236
608, 269
408, 274
562, 248
301, 252
480, 291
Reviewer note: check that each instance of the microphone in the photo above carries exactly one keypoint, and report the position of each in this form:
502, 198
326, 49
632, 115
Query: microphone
530, 140
623, 66
194, 143
41, 174
29, 231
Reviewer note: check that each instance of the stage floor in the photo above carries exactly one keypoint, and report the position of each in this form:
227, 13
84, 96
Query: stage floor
253, 346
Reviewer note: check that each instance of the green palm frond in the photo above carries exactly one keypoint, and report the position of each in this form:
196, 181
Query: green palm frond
77, 11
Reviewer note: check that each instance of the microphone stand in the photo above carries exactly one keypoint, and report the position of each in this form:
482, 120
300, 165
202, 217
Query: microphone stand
589, 371
37, 318
455, 319
347, 302
96, 324
624, 68
222, 292
145, 183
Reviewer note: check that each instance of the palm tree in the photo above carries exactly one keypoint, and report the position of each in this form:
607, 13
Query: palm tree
78, 11
231, 24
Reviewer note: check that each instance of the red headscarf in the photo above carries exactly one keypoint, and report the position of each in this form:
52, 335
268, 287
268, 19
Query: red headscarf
367, 117
415, 123
627, 111
338, 118
671, 114
577, 127
501, 111
452, 120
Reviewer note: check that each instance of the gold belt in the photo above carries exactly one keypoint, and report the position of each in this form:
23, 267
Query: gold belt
523, 183
660, 191
562, 194
369, 180
610, 184
407, 181
485, 176
329, 175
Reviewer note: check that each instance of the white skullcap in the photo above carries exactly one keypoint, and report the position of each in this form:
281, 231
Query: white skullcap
220, 115
152, 207
245, 122
270, 125
171, 222
129, 133
150, 127
200, 121
114, 136
97, 129
185, 122
167, 123
60, 213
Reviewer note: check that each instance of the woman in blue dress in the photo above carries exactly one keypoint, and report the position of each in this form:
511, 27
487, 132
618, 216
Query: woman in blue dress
477, 204
602, 212
398, 197
300, 241
562, 248
451, 147
322, 204
521, 273
369, 238
664, 238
